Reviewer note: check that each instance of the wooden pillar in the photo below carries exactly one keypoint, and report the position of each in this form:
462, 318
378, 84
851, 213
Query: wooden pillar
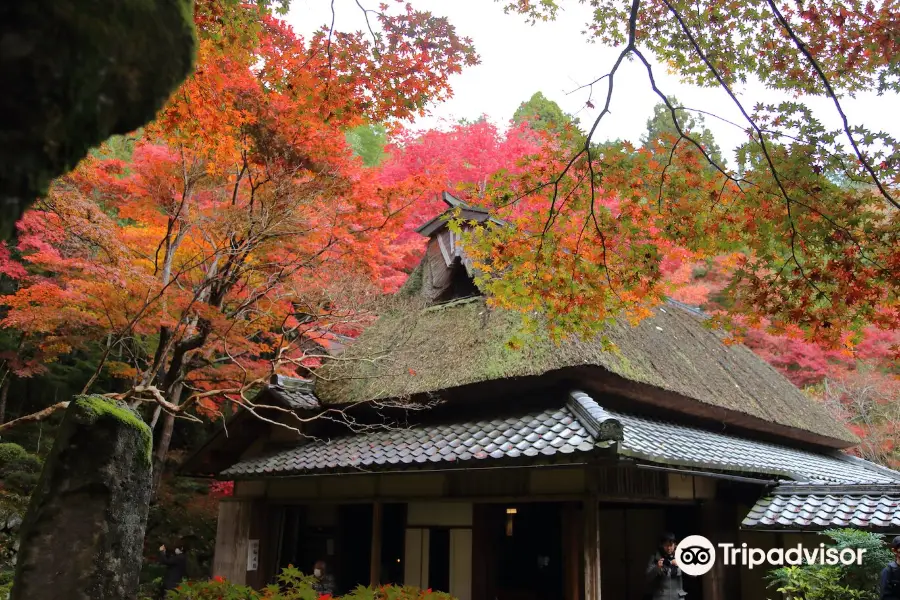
375, 561
572, 550
461, 563
591, 548
232, 540
717, 527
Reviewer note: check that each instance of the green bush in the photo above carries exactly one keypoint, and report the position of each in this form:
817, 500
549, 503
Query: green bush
293, 585
839, 582
10, 452
19, 470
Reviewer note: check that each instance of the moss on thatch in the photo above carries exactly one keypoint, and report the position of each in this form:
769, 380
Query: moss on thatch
414, 350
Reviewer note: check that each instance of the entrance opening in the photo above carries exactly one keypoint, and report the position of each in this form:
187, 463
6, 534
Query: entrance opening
524, 551
439, 559
393, 543
630, 536
354, 547
341, 535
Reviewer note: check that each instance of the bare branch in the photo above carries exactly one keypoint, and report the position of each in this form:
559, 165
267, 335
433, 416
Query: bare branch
41, 415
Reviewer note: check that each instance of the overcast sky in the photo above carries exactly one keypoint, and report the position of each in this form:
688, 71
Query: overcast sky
518, 59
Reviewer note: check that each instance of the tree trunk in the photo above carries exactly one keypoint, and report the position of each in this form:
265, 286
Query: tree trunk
4, 393
162, 445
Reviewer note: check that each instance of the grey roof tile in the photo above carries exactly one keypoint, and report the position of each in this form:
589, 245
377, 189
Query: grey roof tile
673, 444
874, 507
296, 393
476, 440
577, 427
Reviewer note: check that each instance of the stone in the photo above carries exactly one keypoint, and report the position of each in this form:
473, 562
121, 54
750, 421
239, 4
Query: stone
76, 72
14, 521
83, 533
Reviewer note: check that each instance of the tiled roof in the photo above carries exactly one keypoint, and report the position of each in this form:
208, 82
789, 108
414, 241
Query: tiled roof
823, 507
579, 426
296, 393
541, 433
678, 445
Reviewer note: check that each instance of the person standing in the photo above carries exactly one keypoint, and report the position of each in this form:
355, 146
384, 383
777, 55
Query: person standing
890, 576
323, 582
176, 566
663, 572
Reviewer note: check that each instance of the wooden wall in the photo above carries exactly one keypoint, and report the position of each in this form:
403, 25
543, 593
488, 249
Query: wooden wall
232, 540
626, 526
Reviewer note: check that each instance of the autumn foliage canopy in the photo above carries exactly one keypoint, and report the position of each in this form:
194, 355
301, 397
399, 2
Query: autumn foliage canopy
237, 234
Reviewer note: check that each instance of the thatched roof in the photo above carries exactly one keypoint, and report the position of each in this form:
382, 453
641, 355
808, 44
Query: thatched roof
412, 350
670, 361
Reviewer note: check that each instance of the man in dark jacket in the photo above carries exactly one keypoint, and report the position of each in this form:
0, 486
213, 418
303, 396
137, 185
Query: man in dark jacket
890, 576
663, 573
176, 567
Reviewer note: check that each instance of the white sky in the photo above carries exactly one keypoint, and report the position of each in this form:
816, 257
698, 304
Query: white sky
518, 59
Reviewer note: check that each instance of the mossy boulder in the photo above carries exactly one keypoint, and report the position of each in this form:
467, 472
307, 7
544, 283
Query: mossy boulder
76, 72
84, 530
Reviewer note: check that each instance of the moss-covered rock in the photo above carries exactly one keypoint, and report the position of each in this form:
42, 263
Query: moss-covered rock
76, 72
84, 530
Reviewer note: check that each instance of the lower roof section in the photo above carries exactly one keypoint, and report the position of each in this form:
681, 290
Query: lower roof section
818, 507
573, 431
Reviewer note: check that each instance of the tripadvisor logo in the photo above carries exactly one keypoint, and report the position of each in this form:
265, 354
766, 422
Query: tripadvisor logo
696, 555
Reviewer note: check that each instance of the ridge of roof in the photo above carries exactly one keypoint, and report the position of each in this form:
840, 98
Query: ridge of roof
601, 424
478, 214
297, 393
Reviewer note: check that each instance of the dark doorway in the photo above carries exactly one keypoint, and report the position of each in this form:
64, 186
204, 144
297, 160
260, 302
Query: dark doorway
684, 521
525, 560
302, 544
439, 559
393, 543
354, 547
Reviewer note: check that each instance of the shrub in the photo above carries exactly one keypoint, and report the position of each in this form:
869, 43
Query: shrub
839, 582
10, 452
19, 470
294, 585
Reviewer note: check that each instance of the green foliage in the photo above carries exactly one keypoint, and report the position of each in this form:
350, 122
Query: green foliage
120, 147
19, 475
368, 142
661, 129
19, 470
543, 114
294, 585
839, 582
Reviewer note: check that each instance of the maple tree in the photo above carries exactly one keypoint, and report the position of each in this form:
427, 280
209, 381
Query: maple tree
808, 249
211, 255
460, 158
859, 386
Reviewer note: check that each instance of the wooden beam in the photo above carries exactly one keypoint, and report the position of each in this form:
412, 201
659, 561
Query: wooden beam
591, 548
375, 561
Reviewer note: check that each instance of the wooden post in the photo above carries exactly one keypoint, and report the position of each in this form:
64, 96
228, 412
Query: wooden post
375, 562
232, 540
591, 548
572, 551
717, 527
